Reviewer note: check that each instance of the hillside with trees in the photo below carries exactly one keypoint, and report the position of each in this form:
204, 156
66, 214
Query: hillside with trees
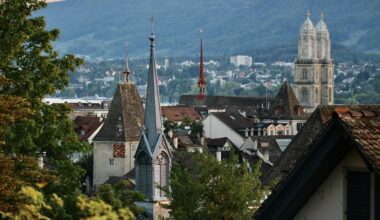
99, 28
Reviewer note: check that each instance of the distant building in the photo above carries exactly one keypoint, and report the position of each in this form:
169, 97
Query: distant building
314, 68
166, 63
178, 113
241, 60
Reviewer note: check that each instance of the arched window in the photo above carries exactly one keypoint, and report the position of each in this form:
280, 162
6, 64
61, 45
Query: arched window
316, 97
278, 111
144, 174
304, 96
161, 174
304, 74
330, 94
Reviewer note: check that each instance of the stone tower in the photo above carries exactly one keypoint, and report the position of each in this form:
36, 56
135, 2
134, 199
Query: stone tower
117, 140
153, 157
314, 69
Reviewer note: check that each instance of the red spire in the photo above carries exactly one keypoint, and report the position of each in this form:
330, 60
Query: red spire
201, 81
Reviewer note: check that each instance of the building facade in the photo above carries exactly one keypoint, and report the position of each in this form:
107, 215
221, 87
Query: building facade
314, 68
241, 60
116, 142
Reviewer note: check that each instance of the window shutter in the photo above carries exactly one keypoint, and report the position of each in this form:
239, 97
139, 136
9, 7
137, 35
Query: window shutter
358, 195
377, 197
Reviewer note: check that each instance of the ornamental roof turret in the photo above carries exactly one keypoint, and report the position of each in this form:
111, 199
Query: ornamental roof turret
307, 26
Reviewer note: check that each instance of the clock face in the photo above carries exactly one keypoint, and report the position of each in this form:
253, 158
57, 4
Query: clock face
118, 151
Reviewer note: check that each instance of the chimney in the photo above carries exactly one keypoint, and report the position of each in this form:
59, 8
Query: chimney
175, 142
266, 156
265, 147
218, 155
170, 134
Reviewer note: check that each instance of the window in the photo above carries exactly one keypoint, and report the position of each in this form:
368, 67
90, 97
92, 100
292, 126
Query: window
362, 193
304, 96
161, 170
316, 95
112, 161
144, 174
304, 74
330, 94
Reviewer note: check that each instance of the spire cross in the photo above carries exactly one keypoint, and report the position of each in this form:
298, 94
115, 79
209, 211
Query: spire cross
308, 13
322, 15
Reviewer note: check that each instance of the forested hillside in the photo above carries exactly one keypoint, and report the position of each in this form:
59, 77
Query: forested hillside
101, 28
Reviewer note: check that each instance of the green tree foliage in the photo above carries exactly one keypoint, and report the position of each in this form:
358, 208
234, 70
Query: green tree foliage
37, 206
32, 69
214, 190
121, 195
18, 171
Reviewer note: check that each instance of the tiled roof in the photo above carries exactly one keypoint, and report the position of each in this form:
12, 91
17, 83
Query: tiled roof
178, 113
287, 104
353, 126
88, 124
222, 101
361, 121
235, 121
126, 111
363, 124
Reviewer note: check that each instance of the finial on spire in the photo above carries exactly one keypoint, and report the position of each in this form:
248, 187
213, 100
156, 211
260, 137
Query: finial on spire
126, 71
151, 38
201, 80
308, 13
322, 15
151, 24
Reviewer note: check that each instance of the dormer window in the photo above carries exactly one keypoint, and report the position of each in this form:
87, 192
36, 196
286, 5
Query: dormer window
82, 132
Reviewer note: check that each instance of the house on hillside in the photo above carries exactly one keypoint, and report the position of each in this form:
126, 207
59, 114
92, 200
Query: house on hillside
336, 174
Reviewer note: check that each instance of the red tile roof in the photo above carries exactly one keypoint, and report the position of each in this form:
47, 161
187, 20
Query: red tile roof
178, 113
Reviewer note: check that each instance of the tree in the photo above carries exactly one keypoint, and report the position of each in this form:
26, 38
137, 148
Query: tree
37, 206
121, 195
32, 69
213, 190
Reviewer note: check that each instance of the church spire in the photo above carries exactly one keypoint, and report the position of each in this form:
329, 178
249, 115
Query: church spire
201, 81
127, 71
153, 121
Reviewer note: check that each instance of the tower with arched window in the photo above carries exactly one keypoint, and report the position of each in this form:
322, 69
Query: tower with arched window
314, 69
153, 156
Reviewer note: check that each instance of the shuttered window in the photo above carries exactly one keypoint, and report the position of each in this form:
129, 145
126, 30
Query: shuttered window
358, 195
377, 197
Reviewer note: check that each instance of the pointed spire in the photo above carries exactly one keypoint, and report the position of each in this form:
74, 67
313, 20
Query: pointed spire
153, 121
127, 71
201, 80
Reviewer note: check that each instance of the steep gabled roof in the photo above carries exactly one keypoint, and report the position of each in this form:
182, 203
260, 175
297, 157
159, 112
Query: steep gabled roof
125, 115
89, 124
299, 144
349, 127
287, 104
235, 121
